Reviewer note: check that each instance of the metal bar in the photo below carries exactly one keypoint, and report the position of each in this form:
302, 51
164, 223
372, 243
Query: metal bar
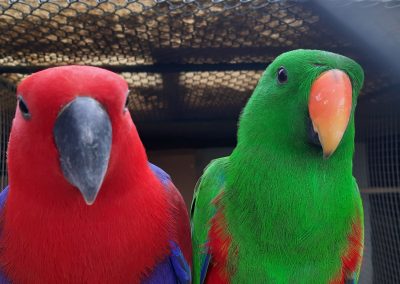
155, 68
380, 190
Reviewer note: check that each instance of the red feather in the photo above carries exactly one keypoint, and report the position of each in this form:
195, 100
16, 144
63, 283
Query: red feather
180, 223
219, 244
352, 258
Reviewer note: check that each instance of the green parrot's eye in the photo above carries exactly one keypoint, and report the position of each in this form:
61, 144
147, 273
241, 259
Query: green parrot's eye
23, 108
282, 75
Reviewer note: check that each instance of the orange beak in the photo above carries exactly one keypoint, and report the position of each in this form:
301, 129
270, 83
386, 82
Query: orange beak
329, 106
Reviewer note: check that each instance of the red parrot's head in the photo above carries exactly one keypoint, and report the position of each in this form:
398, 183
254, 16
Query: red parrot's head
70, 127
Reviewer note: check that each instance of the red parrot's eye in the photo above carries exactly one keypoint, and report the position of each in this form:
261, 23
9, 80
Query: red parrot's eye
126, 107
23, 108
282, 75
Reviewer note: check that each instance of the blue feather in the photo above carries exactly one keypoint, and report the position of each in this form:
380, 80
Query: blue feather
173, 269
204, 268
176, 264
3, 199
162, 176
180, 265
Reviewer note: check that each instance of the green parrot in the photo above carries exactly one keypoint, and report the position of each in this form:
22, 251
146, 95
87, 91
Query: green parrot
284, 207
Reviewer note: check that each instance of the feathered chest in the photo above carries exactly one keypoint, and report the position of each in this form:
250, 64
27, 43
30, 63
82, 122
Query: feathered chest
280, 237
109, 242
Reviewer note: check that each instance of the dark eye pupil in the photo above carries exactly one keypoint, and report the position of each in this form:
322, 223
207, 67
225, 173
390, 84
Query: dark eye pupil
127, 102
282, 75
23, 107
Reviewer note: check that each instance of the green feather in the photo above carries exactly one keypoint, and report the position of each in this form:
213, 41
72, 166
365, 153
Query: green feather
202, 210
288, 209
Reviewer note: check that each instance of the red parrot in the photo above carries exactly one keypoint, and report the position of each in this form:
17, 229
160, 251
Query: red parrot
73, 137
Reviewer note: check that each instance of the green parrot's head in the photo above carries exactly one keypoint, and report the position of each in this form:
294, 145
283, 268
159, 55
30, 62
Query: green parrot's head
304, 102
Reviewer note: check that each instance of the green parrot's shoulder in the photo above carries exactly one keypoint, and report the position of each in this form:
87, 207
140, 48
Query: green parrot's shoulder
215, 170
358, 200
355, 183
202, 210
211, 182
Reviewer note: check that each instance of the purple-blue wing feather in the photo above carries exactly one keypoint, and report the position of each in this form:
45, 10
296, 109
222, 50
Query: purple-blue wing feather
162, 273
161, 175
176, 263
3, 199
174, 269
204, 267
180, 265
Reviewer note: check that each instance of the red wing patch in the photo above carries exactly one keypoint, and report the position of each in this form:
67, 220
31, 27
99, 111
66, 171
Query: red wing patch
219, 244
352, 258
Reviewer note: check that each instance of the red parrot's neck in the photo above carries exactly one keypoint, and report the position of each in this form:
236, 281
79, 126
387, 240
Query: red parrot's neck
67, 241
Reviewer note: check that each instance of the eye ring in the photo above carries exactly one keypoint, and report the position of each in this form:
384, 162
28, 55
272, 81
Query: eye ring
23, 107
282, 75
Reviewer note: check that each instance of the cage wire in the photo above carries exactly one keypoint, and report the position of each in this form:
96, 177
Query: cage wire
143, 39
7, 108
178, 56
383, 153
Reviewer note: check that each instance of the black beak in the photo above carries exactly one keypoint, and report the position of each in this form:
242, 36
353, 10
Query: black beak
313, 137
83, 136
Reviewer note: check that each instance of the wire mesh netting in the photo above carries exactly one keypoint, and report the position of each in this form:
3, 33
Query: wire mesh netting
145, 39
383, 152
148, 33
195, 95
7, 102
133, 32
388, 4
